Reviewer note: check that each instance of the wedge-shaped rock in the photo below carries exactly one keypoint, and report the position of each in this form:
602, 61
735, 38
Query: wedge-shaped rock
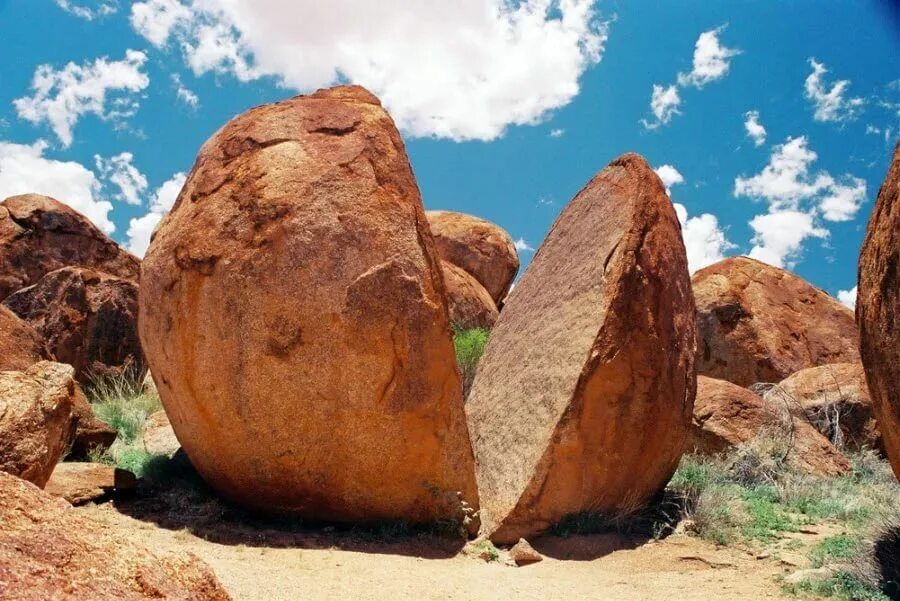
878, 310
759, 323
469, 303
583, 398
20, 346
293, 313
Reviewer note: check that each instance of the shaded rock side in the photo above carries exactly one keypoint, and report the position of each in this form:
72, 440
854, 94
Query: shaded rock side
80, 483
20, 345
469, 303
583, 397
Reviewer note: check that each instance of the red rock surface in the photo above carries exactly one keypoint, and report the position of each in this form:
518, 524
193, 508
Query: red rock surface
36, 423
87, 319
20, 346
293, 312
583, 396
878, 309
39, 234
159, 437
469, 303
80, 483
49, 550
759, 323
91, 434
478, 246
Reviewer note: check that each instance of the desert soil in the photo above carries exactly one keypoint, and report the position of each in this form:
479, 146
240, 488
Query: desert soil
270, 564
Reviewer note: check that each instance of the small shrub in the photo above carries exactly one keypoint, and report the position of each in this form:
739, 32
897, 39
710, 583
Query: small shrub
469, 345
840, 547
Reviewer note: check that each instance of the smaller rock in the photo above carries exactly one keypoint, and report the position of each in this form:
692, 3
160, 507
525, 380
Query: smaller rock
20, 345
149, 385
159, 437
80, 483
469, 303
522, 553
91, 434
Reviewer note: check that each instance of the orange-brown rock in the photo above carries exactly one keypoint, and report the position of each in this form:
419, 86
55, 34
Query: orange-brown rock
727, 416
159, 436
91, 434
469, 303
80, 483
88, 319
293, 312
583, 396
878, 310
20, 346
36, 423
39, 234
759, 323
50, 550
835, 399
478, 246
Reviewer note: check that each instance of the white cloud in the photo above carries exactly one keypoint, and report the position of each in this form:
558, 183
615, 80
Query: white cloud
830, 104
521, 245
754, 128
670, 176
557, 133
848, 297
842, 201
711, 60
62, 96
121, 172
103, 8
140, 229
779, 235
184, 94
664, 103
24, 169
460, 70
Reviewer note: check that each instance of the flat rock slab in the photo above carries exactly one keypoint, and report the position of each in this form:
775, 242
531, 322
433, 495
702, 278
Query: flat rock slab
583, 397
80, 483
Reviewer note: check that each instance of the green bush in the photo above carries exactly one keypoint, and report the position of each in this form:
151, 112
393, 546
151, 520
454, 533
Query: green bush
469, 345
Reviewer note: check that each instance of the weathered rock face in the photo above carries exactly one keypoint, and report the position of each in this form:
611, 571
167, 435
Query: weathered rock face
39, 234
20, 346
583, 397
478, 246
36, 423
758, 323
727, 416
469, 303
90, 433
878, 310
88, 320
835, 399
80, 483
49, 550
318, 303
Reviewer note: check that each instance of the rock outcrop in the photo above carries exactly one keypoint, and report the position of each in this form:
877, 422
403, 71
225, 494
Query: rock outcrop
727, 416
878, 310
87, 319
583, 396
478, 246
20, 346
759, 323
39, 234
293, 314
835, 399
469, 303
49, 550
36, 423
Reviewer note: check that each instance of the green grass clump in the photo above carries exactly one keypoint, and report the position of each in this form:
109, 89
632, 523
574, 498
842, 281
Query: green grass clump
469, 346
840, 547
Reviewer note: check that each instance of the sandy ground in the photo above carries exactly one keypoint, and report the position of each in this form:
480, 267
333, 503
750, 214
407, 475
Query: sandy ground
270, 564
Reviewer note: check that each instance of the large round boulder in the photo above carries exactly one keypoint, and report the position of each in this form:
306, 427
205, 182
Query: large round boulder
583, 397
835, 399
39, 234
478, 246
878, 310
727, 416
293, 313
87, 319
50, 550
36, 421
759, 323
20, 345
469, 303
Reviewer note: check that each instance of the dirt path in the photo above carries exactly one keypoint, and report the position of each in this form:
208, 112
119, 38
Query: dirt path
262, 565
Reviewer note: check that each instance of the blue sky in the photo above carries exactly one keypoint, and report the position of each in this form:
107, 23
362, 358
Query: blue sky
507, 109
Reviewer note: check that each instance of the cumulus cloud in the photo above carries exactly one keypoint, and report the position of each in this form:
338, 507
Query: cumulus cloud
103, 8
848, 297
521, 246
711, 60
670, 176
754, 128
664, 103
183, 93
460, 70
141, 229
24, 169
120, 171
104, 88
779, 235
830, 104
